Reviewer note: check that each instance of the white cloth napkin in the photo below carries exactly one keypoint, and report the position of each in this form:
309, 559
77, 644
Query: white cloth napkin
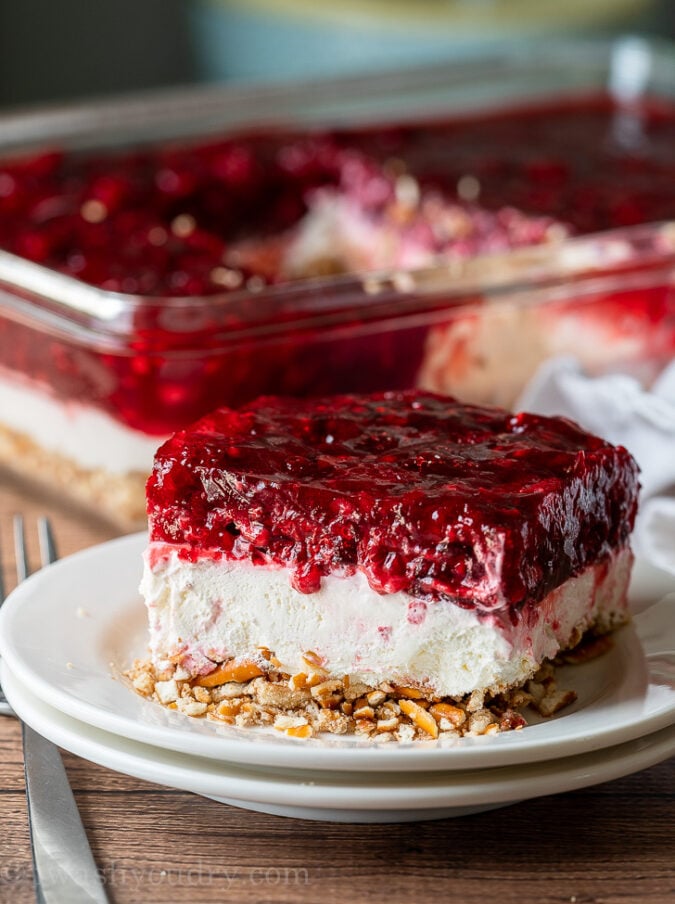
617, 408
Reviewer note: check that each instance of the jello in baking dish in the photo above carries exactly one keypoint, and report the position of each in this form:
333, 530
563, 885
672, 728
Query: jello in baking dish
144, 287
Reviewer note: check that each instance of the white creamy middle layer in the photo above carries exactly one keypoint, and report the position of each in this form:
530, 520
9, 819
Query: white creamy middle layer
85, 435
208, 611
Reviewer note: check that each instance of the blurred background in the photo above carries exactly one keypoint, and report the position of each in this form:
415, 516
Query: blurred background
54, 51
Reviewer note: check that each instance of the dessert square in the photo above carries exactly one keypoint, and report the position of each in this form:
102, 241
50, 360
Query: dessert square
399, 542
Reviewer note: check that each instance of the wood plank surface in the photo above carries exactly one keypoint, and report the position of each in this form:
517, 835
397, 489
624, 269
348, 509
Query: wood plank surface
611, 844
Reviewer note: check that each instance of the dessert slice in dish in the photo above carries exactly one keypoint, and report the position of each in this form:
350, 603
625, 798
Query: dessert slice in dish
487, 356
308, 554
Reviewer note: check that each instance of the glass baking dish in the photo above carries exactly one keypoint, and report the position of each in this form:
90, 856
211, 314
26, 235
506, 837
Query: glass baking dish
91, 380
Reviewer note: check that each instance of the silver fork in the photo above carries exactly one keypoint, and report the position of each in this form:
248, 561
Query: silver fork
63, 865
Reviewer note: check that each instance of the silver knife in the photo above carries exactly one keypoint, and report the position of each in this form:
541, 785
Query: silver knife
63, 866
65, 870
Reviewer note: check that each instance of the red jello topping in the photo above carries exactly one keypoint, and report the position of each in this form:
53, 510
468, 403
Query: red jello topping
169, 220
421, 493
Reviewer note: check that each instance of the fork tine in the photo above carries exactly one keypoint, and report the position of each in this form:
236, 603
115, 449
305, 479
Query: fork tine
22, 567
48, 551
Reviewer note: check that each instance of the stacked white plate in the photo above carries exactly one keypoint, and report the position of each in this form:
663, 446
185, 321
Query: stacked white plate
68, 632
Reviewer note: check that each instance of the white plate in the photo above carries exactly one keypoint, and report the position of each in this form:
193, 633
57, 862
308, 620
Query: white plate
68, 628
339, 796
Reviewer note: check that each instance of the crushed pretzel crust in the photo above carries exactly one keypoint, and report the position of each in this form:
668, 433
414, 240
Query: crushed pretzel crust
243, 693
120, 498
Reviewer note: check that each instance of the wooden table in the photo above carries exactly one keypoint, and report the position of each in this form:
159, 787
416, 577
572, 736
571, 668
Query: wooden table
611, 843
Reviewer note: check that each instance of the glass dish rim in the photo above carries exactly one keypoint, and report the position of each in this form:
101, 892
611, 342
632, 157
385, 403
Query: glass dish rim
629, 257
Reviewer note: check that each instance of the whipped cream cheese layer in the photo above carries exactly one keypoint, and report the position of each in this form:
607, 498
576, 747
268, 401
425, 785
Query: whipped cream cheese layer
209, 610
81, 433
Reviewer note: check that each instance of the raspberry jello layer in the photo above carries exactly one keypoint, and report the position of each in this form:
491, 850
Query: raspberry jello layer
399, 537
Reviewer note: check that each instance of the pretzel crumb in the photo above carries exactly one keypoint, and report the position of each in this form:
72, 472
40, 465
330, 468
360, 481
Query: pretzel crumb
311, 702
